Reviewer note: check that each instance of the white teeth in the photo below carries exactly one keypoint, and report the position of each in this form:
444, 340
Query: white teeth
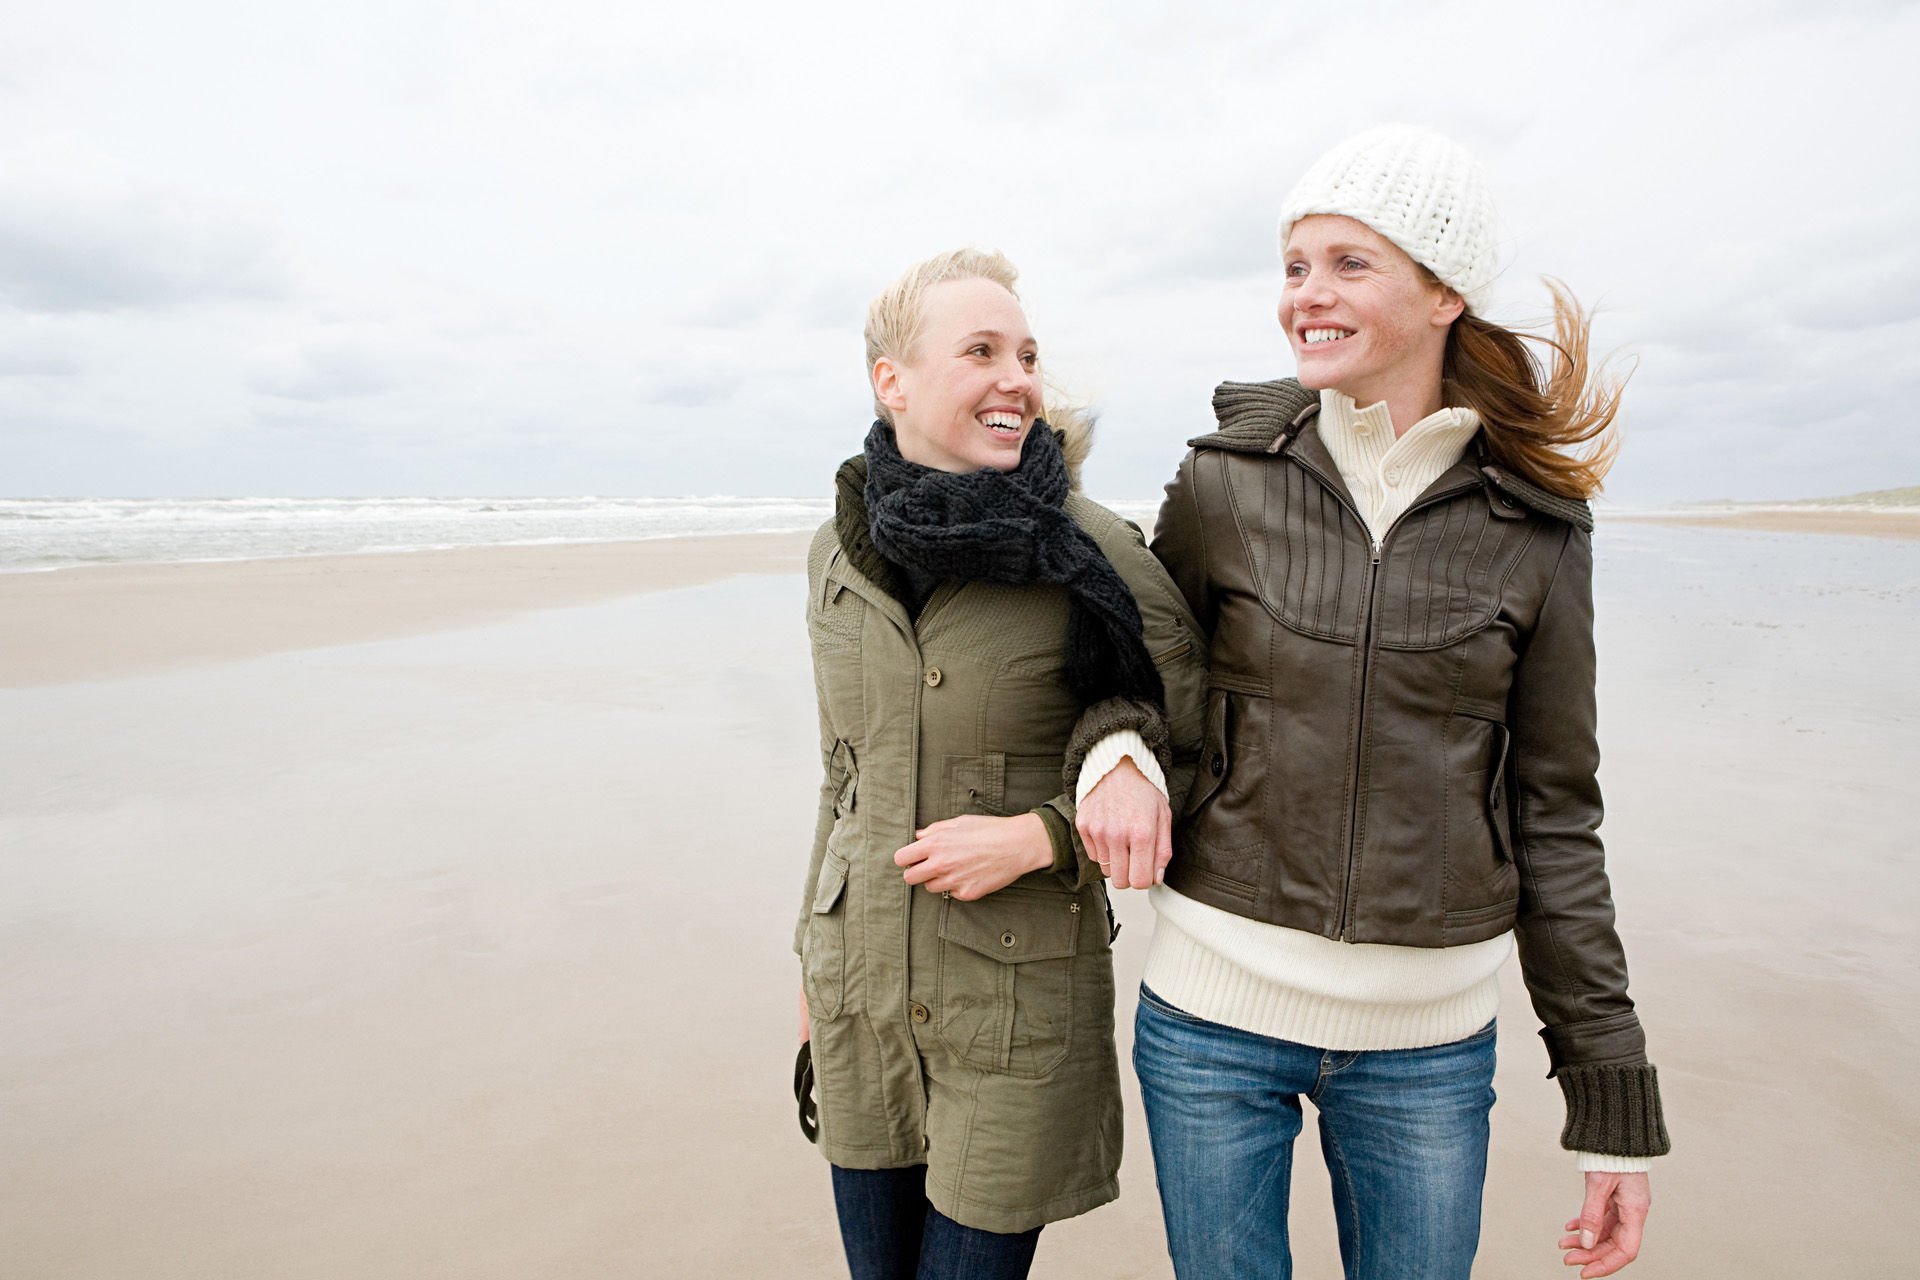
1004, 421
1313, 336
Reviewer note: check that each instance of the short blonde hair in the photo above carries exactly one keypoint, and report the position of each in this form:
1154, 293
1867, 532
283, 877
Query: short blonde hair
896, 317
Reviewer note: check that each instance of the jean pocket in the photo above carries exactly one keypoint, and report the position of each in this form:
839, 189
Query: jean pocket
1160, 1006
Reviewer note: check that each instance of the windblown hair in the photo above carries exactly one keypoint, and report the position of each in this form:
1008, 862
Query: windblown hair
1538, 418
896, 317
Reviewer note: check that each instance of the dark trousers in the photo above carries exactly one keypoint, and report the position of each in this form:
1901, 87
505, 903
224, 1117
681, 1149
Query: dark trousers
892, 1233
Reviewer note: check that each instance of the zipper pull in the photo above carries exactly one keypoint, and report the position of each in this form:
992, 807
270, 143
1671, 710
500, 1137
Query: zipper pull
1376, 551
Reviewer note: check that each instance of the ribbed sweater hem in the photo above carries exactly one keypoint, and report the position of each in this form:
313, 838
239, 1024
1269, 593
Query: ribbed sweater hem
1207, 981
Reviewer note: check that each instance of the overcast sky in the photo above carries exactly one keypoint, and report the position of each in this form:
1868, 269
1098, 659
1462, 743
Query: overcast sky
582, 247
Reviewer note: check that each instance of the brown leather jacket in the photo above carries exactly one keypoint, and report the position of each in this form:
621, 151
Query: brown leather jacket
1400, 737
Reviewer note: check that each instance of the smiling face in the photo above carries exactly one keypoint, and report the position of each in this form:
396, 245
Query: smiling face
968, 390
1363, 318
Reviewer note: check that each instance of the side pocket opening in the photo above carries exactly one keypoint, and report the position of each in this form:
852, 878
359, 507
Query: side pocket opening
1216, 753
1497, 814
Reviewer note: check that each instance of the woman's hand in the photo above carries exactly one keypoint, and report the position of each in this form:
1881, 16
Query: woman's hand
1606, 1235
972, 855
1127, 827
806, 1028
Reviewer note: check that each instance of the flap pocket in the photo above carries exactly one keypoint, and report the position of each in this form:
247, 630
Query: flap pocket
832, 883
1015, 925
1002, 785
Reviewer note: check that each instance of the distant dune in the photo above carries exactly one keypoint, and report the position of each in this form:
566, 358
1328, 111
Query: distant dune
1878, 500
1907, 497
1883, 513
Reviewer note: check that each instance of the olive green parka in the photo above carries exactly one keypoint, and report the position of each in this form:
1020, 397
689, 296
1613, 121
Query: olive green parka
973, 1037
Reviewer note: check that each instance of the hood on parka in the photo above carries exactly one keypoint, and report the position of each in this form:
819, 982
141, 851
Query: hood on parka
1073, 424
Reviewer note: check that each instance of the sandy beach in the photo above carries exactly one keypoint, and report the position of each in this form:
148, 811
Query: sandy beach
427, 915
117, 620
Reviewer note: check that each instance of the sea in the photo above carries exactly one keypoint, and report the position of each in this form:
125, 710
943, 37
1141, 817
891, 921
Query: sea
41, 534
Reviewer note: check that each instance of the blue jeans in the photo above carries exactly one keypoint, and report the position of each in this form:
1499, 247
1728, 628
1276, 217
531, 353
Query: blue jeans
1404, 1132
892, 1233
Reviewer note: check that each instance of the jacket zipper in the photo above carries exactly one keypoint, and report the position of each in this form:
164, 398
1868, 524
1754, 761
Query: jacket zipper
1354, 782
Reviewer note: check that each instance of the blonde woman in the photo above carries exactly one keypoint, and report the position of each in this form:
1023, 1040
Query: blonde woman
972, 618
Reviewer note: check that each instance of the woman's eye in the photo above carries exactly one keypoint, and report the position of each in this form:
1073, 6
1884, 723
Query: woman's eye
1029, 359
1351, 264
979, 350
1295, 270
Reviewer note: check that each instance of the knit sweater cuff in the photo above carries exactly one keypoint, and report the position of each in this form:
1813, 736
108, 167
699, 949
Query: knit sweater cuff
1105, 755
1593, 1162
1613, 1109
1110, 716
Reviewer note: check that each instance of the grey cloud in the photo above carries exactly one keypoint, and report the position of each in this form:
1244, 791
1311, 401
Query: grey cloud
110, 257
28, 363
769, 289
324, 372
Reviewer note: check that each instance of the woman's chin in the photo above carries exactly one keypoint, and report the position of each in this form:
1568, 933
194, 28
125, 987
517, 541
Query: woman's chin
1001, 454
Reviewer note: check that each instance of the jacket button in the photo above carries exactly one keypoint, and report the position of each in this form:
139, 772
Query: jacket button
933, 677
1218, 764
918, 1012
1007, 939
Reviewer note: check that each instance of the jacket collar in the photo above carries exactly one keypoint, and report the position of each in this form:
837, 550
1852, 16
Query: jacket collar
1276, 418
855, 532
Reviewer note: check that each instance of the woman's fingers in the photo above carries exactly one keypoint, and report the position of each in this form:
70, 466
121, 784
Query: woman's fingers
1142, 857
974, 855
1163, 850
1123, 824
1607, 1234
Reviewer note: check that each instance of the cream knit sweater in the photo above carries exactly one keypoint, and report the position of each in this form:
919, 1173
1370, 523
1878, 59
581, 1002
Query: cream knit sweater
1298, 986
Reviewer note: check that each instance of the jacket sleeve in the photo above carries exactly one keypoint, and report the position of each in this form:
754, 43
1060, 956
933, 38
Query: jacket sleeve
1570, 954
1178, 648
1181, 545
836, 766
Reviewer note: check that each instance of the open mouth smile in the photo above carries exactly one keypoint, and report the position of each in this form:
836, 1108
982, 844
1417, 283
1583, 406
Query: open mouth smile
1320, 336
1001, 423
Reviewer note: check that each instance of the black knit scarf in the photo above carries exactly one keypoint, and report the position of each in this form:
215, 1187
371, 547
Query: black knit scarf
1011, 528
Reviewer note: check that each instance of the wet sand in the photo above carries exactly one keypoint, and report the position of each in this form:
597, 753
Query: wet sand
456, 945
116, 620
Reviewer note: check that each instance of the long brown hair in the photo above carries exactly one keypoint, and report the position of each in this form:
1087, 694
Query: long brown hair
1538, 418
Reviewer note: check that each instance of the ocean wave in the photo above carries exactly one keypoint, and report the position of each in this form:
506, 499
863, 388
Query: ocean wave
47, 533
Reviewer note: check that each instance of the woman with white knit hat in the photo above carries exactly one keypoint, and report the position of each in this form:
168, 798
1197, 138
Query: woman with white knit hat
1397, 789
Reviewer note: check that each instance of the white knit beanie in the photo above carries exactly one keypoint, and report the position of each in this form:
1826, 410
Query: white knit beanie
1424, 192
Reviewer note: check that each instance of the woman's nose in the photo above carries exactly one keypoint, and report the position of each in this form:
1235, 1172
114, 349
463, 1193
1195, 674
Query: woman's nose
1314, 290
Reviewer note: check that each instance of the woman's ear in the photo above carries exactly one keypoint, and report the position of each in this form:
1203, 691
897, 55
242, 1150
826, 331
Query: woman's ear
886, 384
1448, 307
